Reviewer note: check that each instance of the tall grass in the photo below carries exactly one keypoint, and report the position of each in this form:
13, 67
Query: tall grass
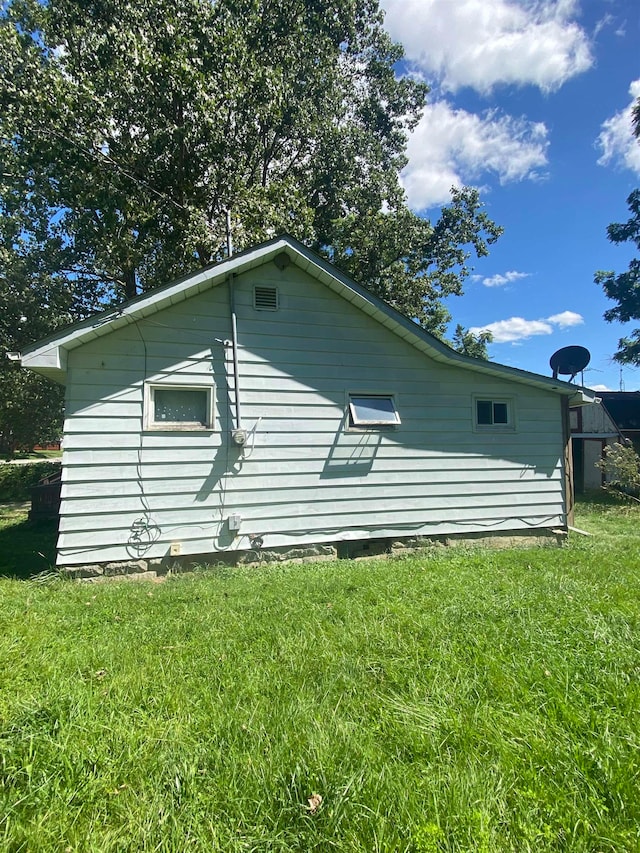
456, 701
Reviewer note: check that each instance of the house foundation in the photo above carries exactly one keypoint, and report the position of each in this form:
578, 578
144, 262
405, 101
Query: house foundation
152, 569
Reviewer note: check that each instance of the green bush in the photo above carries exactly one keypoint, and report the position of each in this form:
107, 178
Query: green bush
621, 466
16, 480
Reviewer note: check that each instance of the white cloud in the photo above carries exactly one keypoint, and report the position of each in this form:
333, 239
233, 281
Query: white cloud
519, 329
619, 145
514, 329
453, 147
500, 279
600, 388
481, 43
566, 319
605, 21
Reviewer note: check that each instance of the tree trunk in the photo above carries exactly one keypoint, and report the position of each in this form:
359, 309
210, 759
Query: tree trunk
130, 287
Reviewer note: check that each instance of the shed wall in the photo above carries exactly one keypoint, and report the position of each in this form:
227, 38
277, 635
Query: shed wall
304, 477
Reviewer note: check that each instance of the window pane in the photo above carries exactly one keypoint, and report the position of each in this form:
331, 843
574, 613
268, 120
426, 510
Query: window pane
180, 406
500, 413
373, 410
484, 411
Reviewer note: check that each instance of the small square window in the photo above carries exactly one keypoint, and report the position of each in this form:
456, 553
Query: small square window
372, 411
493, 413
178, 407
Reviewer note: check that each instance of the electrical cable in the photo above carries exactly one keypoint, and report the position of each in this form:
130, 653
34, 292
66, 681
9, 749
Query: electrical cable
251, 434
144, 530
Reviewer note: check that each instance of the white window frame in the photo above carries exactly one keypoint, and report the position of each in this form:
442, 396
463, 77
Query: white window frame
510, 426
356, 424
171, 426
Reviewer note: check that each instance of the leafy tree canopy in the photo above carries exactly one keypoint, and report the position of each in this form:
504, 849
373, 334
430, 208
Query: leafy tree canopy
129, 128
621, 466
467, 343
30, 406
624, 288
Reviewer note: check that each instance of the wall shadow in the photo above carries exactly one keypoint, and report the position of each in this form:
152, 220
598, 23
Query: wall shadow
27, 548
351, 454
227, 458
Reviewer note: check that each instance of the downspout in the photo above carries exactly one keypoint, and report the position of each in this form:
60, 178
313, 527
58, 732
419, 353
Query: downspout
238, 434
567, 463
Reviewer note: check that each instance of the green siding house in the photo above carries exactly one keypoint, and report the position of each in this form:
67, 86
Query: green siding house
270, 402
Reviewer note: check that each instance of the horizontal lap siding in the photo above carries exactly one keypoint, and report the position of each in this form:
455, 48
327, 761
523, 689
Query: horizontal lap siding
304, 479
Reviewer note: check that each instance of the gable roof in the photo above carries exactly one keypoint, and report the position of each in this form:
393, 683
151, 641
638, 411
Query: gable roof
49, 356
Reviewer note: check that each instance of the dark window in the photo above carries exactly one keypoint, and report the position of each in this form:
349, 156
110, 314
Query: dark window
492, 413
484, 412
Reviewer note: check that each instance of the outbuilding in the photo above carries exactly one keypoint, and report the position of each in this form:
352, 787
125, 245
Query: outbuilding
270, 402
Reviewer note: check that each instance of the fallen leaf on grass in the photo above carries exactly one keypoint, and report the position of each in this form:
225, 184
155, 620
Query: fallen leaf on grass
314, 801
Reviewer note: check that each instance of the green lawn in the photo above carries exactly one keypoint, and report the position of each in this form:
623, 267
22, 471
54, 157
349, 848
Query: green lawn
462, 700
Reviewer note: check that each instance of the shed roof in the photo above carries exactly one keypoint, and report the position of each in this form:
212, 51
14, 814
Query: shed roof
623, 407
48, 356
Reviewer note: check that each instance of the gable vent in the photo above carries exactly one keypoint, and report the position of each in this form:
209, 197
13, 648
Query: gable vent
265, 298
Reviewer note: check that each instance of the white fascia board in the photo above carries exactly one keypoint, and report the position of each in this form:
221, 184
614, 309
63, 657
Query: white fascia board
51, 358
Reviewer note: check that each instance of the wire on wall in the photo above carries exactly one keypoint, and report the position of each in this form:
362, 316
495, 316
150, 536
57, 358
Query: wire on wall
144, 531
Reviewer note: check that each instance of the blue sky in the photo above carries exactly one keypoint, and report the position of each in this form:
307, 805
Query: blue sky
530, 101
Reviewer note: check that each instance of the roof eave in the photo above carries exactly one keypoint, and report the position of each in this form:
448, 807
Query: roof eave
38, 355
49, 356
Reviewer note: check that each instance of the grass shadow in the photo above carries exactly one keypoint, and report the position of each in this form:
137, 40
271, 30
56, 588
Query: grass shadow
27, 548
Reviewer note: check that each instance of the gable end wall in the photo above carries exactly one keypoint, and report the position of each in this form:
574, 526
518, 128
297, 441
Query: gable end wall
303, 478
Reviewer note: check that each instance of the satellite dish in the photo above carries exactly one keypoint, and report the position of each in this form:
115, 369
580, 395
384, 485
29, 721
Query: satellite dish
569, 361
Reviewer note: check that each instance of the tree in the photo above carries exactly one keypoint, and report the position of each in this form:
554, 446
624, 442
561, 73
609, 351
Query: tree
621, 466
467, 343
30, 406
32, 304
624, 288
129, 128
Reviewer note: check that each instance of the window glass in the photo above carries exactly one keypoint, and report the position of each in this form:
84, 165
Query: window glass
177, 405
484, 412
493, 413
500, 413
373, 411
